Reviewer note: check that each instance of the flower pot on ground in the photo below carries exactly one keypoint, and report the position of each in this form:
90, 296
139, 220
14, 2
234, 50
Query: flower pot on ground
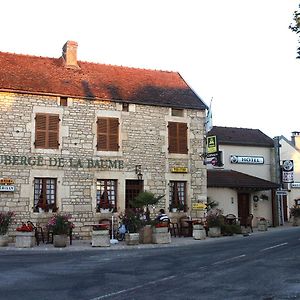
161, 234
100, 236
214, 220
295, 213
25, 236
132, 238
60, 225
262, 224
60, 240
5, 220
198, 231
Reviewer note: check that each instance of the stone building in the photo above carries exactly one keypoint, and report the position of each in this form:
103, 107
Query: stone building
81, 138
245, 182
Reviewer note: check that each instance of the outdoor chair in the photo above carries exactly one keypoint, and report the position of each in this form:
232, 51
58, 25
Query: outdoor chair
184, 226
174, 227
38, 233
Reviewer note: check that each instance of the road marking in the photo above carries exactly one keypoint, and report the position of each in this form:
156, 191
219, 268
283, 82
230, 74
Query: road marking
133, 288
229, 259
276, 246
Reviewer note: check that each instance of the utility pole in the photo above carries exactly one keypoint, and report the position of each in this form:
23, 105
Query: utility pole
278, 209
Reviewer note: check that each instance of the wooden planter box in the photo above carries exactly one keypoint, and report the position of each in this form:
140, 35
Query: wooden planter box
146, 235
100, 238
25, 239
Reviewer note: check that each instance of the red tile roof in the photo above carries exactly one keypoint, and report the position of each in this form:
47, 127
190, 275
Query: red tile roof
44, 75
241, 136
237, 180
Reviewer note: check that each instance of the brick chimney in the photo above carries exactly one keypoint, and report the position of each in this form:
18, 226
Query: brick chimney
296, 139
70, 55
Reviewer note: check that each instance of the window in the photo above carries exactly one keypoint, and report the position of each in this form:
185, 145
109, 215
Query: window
125, 106
133, 188
177, 137
177, 195
106, 195
44, 194
176, 112
46, 131
108, 134
63, 101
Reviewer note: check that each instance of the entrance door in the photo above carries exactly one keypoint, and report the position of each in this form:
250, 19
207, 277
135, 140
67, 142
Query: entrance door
133, 188
285, 208
243, 207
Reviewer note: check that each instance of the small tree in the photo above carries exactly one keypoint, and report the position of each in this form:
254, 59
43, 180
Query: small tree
295, 27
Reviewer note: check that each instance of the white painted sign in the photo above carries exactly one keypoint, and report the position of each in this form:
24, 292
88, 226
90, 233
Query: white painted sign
7, 188
296, 184
282, 193
236, 159
287, 171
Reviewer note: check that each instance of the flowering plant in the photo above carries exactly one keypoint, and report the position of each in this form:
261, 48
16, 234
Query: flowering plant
5, 221
60, 224
215, 218
101, 227
161, 224
25, 228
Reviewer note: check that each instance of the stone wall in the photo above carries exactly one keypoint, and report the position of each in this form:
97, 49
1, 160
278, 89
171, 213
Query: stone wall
77, 164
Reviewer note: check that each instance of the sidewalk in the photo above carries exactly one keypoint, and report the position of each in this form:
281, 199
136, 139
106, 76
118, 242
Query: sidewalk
80, 245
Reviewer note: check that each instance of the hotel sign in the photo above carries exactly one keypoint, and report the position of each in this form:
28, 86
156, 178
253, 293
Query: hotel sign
253, 160
287, 171
296, 184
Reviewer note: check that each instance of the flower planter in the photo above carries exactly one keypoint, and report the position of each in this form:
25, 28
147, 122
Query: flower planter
146, 235
262, 225
132, 238
25, 239
100, 238
161, 235
4, 240
60, 240
296, 221
199, 232
214, 232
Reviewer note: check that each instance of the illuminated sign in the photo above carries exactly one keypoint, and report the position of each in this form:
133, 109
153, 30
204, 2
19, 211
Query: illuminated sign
6, 181
211, 144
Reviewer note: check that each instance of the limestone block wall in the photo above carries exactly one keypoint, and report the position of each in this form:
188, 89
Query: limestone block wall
77, 164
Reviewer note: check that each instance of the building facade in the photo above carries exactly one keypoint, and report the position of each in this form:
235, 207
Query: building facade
289, 150
85, 138
244, 182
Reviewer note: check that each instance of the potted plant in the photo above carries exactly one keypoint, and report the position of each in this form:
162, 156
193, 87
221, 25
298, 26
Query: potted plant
214, 220
100, 235
295, 213
60, 226
25, 236
5, 220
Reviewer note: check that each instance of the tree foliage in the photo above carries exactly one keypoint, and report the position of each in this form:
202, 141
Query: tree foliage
295, 27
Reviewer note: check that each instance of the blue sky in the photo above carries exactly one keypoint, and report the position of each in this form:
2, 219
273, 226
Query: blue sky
238, 52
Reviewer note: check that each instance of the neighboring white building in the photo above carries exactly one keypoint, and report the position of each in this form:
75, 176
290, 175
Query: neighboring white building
290, 150
245, 183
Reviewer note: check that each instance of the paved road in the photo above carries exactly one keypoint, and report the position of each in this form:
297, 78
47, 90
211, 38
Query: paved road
262, 266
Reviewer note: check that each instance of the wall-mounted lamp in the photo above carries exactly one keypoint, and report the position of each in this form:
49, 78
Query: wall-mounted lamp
138, 172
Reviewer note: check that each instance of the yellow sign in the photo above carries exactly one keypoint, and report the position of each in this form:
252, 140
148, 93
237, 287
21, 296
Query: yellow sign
6, 181
179, 170
211, 144
200, 206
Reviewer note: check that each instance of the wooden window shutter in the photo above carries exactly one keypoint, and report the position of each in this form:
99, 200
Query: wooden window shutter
53, 128
46, 131
172, 133
108, 134
177, 133
40, 131
182, 138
